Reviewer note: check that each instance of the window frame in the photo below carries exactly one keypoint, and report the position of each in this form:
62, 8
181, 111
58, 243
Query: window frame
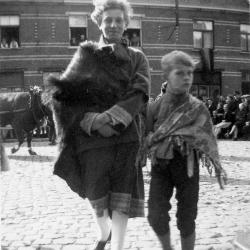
10, 24
203, 32
132, 27
247, 38
84, 15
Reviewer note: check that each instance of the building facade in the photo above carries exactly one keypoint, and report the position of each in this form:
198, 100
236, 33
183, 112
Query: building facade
39, 37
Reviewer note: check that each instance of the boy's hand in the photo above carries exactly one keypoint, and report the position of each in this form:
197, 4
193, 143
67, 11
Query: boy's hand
222, 178
100, 120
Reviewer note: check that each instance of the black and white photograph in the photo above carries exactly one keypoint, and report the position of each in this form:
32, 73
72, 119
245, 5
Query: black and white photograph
125, 124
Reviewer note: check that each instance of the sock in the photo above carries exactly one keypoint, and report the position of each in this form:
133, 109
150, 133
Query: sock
119, 226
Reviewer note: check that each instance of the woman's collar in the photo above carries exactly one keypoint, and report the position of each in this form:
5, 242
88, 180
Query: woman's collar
104, 42
119, 50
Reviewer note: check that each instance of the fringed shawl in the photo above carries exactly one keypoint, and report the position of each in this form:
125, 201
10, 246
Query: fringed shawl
189, 123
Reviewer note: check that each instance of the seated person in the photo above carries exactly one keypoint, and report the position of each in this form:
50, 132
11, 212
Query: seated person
245, 132
211, 106
73, 41
227, 121
4, 44
215, 118
240, 121
219, 111
82, 38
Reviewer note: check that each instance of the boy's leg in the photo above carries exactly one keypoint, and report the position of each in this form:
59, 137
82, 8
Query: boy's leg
187, 195
161, 191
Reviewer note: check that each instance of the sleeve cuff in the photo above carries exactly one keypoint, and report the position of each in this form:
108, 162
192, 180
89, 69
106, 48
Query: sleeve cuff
119, 115
87, 121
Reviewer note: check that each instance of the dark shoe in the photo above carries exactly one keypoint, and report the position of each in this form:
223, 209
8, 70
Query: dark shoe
235, 139
100, 245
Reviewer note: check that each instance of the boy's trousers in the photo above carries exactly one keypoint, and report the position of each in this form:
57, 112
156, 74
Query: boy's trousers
166, 175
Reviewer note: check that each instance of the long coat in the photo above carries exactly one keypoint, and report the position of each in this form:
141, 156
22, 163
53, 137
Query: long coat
98, 77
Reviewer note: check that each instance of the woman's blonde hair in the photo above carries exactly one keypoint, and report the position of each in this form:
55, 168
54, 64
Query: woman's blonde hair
102, 5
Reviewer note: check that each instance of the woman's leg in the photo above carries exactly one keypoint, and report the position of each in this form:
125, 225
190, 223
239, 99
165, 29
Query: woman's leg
104, 225
119, 226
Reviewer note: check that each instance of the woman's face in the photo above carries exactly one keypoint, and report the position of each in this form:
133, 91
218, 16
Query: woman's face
113, 24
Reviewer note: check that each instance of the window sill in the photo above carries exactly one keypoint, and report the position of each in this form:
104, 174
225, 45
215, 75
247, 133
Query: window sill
10, 48
244, 52
73, 47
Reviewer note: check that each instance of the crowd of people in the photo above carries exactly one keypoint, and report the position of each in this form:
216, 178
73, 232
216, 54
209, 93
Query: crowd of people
230, 116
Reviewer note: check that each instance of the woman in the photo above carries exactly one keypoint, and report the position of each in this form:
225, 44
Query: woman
97, 105
226, 123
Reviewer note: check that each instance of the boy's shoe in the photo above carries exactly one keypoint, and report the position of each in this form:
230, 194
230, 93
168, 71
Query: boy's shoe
235, 139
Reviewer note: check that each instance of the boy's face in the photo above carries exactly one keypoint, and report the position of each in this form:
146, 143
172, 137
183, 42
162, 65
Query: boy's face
180, 78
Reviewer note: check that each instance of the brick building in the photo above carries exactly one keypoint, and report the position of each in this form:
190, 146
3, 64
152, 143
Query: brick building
41, 37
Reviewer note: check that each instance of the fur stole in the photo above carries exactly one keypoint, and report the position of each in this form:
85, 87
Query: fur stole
96, 78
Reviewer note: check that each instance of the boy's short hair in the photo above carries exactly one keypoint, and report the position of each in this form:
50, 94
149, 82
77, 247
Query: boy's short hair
176, 57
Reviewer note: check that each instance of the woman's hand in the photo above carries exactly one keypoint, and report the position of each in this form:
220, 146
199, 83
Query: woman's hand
100, 120
107, 131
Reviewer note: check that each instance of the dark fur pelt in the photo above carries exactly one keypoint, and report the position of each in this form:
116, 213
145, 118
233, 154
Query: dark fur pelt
92, 82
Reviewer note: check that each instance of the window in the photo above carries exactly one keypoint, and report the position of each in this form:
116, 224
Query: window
9, 32
133, 33
245, 37
245, 84
203, 34
77, 29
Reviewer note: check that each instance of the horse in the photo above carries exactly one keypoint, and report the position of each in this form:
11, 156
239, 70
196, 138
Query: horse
24, 111
4, 162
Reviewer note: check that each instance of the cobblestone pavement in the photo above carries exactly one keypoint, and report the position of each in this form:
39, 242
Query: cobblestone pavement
39, 211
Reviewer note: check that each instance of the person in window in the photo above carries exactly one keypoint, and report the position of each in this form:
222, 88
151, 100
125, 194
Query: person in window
126, 38
13, 43
98, 109
4, 44
73, 41
82, 38
135, 40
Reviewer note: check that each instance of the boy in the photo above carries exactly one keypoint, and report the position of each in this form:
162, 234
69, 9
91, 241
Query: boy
180, 131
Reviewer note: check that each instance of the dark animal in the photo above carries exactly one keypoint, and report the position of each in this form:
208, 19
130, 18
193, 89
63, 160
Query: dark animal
23, 111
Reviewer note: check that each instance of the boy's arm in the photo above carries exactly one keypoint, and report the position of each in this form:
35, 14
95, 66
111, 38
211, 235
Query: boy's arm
150, 118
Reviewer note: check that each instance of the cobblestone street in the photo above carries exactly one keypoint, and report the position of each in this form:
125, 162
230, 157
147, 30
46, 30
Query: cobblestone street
39, 211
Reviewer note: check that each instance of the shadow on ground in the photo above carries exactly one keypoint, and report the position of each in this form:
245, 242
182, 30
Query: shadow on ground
235, 158
33, 158
230, 181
